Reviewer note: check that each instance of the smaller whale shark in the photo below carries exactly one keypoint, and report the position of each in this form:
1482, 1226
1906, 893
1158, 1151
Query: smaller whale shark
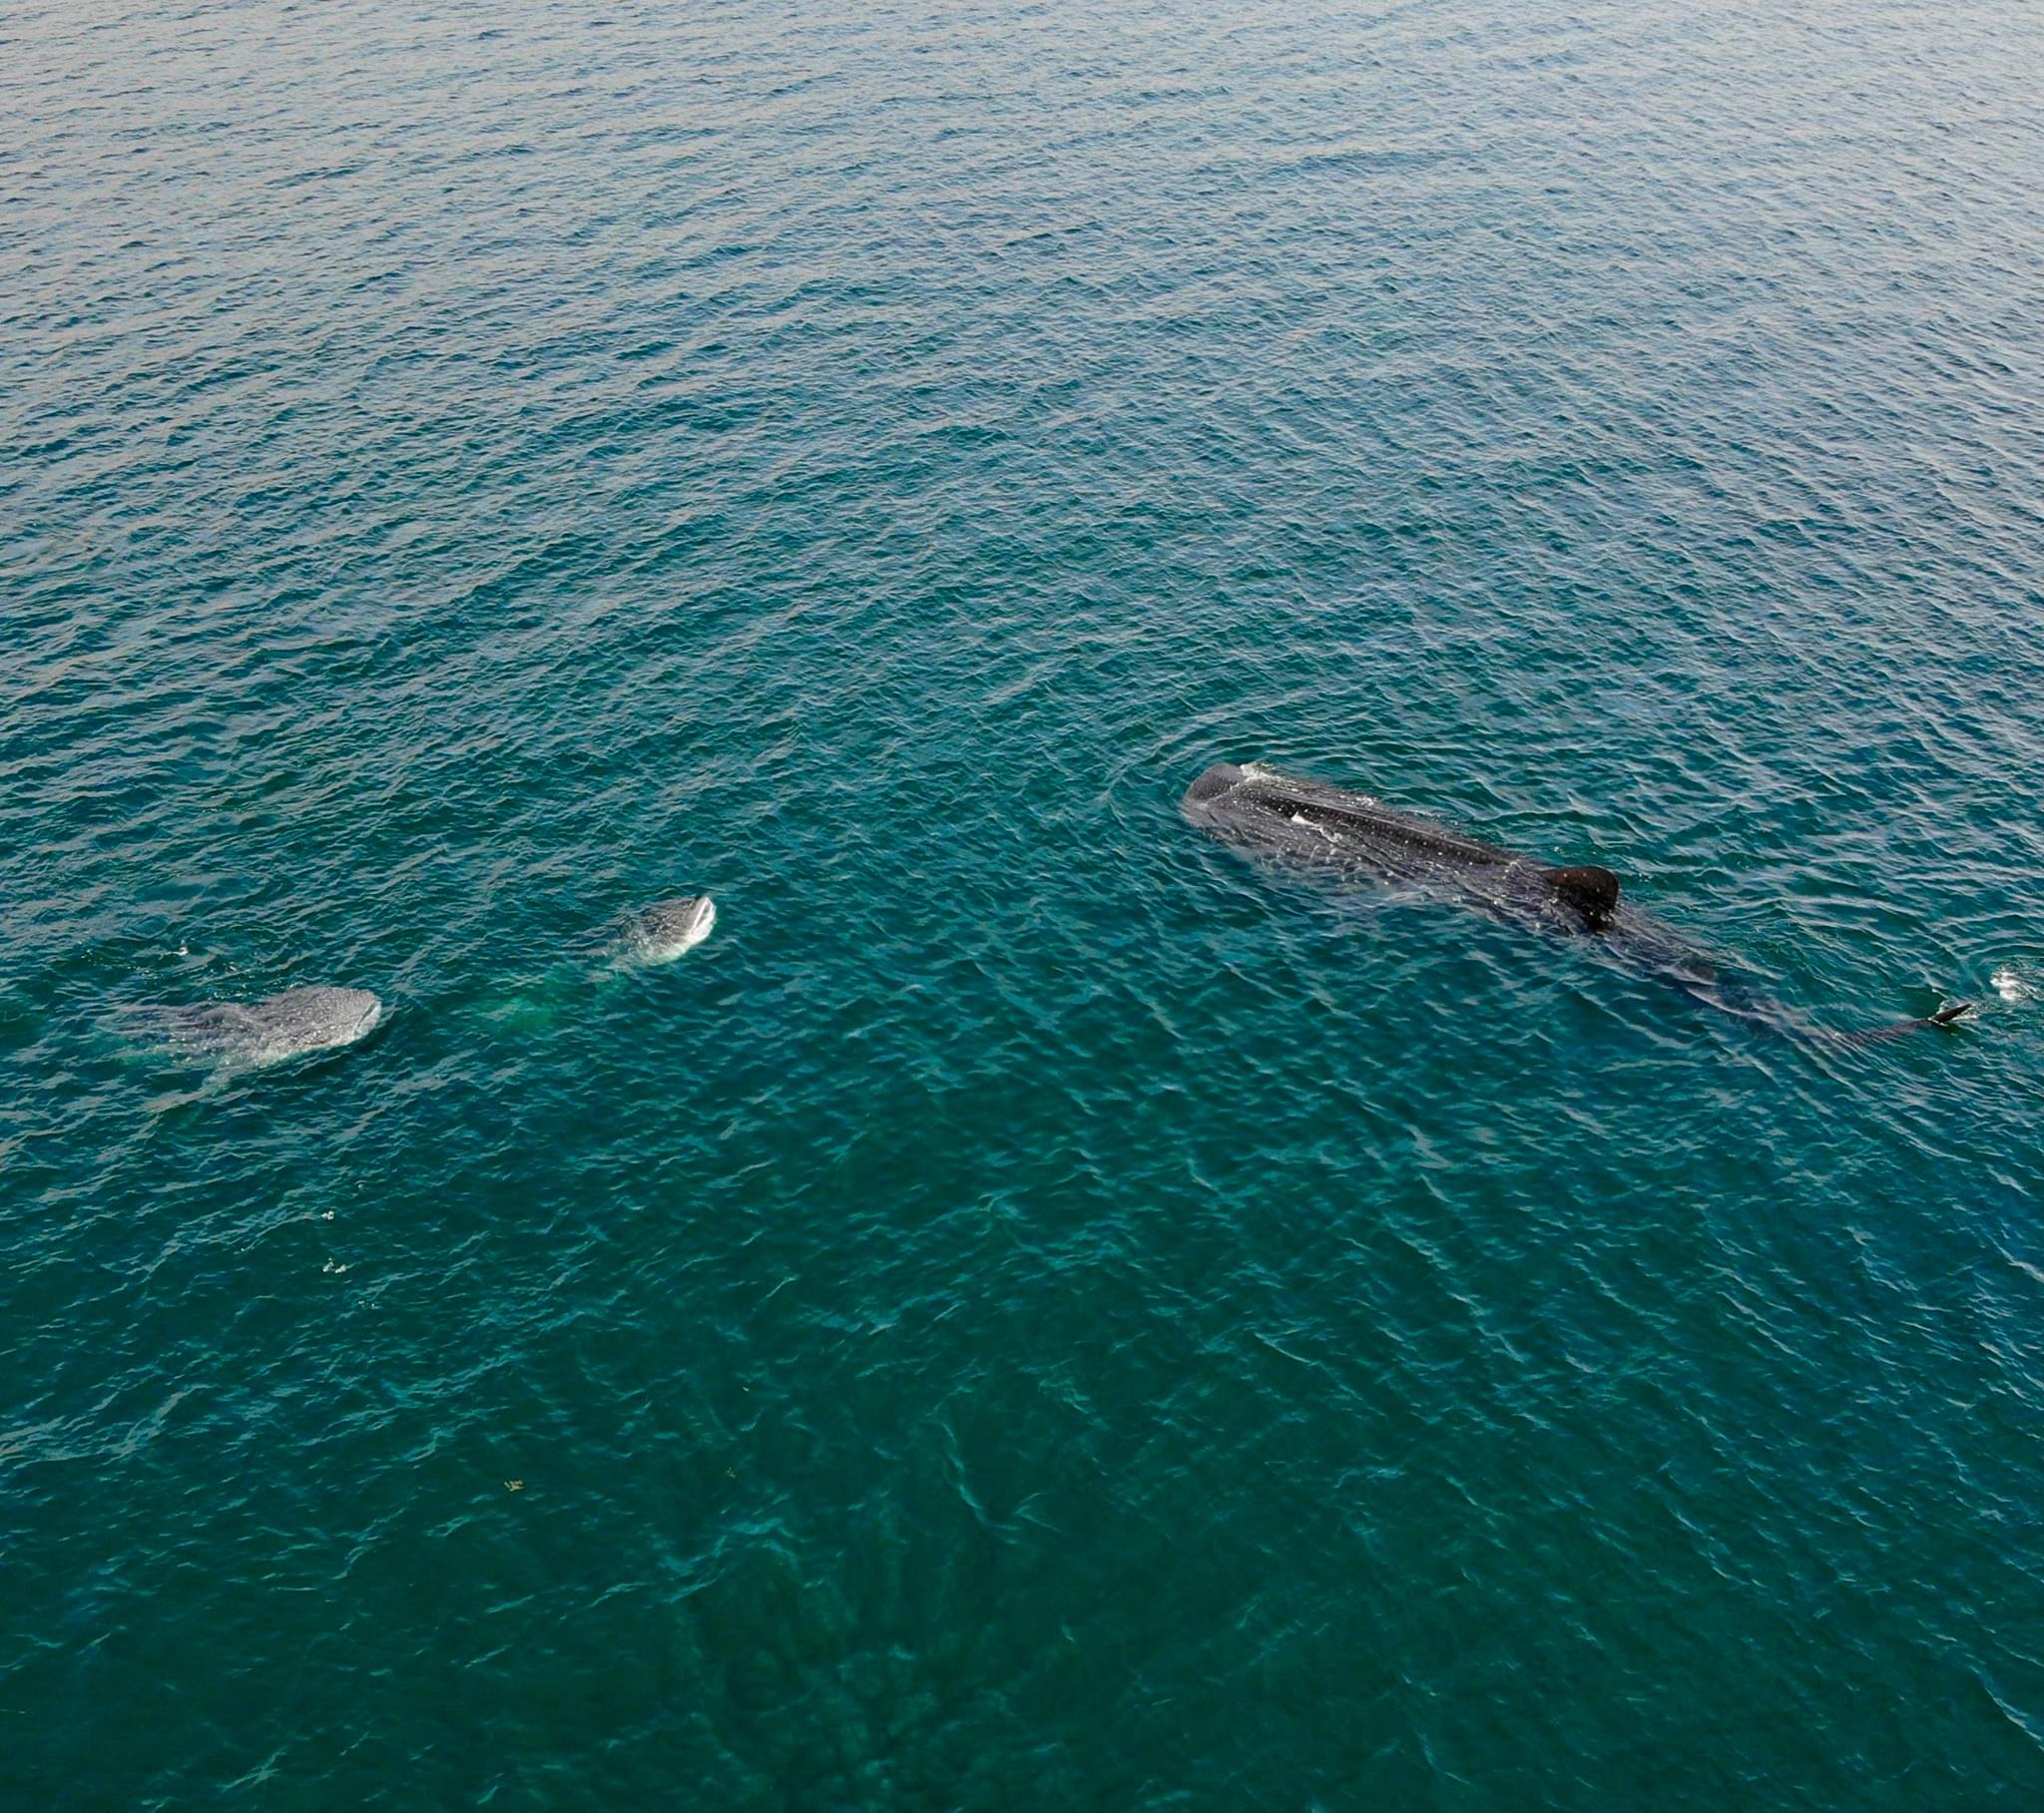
613, 949
662, 932
1309, 824
289, 1025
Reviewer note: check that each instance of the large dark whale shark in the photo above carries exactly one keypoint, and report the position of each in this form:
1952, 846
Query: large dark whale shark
1308, 823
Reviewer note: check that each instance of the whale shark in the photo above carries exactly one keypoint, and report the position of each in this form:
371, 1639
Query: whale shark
289, 1025
604, 957
662, 932
1300, 822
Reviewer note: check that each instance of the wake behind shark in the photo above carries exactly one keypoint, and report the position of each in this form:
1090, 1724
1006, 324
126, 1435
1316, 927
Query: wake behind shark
1308, 823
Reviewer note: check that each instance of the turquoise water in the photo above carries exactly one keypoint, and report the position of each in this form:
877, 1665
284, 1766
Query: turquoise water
1035, 1312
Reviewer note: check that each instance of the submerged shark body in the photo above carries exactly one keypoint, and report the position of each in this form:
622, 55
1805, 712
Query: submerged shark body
1311, 824
288, 1025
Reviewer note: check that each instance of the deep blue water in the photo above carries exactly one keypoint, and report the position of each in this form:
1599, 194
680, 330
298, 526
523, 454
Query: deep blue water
1036, 1312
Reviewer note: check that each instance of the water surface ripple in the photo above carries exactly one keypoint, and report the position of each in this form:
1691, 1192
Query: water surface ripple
1035, 1312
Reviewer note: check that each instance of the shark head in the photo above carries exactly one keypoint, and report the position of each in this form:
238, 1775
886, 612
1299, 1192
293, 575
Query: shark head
663, 931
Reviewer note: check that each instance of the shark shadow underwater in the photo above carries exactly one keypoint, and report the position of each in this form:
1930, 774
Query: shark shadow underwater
1306, 823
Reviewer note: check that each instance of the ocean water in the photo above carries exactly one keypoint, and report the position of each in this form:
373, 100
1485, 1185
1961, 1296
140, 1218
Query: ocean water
1036, 1312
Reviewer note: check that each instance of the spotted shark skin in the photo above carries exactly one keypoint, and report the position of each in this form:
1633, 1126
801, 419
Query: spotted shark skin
279, 1027
666, 930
